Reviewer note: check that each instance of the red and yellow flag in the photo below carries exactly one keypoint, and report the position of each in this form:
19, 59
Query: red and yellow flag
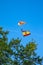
26, 33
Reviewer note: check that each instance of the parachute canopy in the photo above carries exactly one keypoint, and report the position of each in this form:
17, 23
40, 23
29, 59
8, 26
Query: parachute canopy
26, 33
21, 23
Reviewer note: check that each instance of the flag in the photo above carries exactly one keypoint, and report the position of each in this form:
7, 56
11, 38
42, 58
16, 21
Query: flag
26, 33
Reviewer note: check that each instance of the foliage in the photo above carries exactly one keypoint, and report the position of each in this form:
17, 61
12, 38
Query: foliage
14, 53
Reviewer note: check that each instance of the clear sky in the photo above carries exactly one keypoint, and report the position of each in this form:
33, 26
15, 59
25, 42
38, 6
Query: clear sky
30, 11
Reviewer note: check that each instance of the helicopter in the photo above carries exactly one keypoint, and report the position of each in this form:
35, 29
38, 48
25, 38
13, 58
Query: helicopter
21, 23
24, 33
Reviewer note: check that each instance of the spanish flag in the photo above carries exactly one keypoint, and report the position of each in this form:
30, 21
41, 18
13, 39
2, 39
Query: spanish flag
26, 33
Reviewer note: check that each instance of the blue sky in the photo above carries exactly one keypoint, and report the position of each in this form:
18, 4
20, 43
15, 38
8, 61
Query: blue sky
31, 11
